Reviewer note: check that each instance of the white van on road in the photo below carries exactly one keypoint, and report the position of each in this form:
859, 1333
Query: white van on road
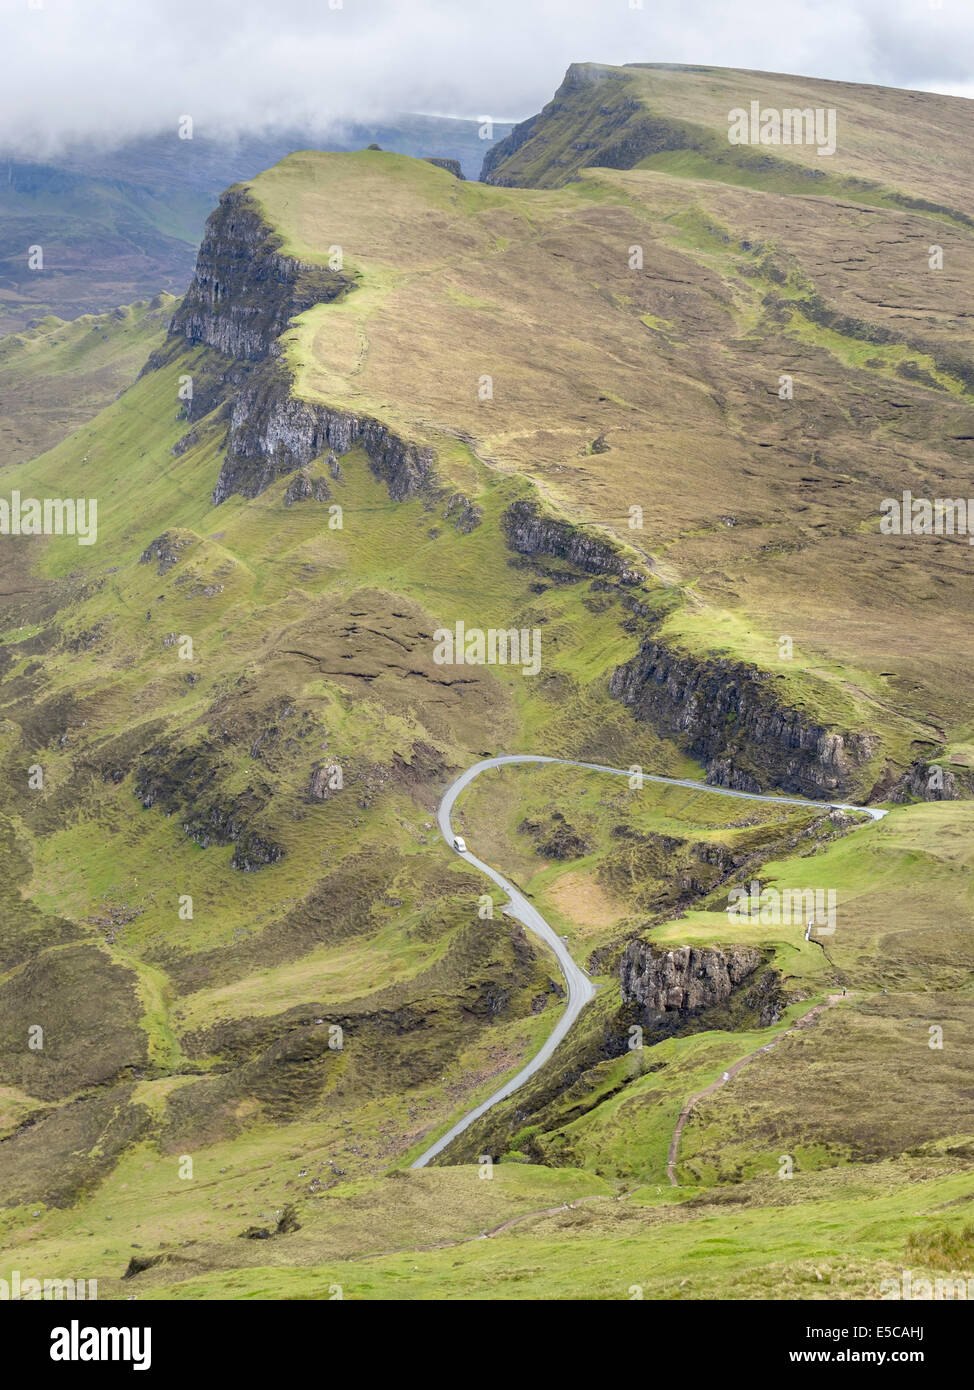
459, 844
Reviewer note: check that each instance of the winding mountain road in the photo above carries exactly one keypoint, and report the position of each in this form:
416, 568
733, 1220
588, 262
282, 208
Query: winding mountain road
580, 987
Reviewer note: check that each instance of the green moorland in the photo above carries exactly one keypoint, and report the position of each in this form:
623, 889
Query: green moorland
759, 515
828, 1236
196, 921
56, 375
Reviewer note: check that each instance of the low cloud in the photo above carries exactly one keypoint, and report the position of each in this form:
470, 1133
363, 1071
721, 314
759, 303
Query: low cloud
113, 70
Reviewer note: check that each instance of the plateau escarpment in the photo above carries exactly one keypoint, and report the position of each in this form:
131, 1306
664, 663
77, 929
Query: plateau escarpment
313, 656
661, 115
272, 433
727, 715
593, 119
655, 454
244, 293
529, 532
244, 290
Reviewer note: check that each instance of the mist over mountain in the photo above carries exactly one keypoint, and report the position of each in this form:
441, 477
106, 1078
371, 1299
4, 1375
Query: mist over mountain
114, 71
117, 223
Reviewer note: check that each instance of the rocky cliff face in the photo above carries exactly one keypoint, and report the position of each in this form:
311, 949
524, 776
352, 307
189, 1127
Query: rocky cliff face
243, 295
728, 716
507, 147
244, 290
530, 533
273, 432
684, 980
535, 128
725, 713
452, 166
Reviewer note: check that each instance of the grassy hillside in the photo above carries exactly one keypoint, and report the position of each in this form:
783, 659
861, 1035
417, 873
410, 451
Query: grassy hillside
56, 375
208, 1035
891, 147
264, 993
836, 1238
660, 391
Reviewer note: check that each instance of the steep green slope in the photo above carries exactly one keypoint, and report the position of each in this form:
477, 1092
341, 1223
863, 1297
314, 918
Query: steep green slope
56, 375
169, 778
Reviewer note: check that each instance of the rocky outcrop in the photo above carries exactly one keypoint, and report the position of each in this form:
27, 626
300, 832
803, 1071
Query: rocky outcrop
684, 980
464, 514
765, 997
187, 441
424, 764
244, 290
555, 837
452, 166
273, 433
303, 488
287, 1223
530, 533
185, 782
322, 777
252, 851
928, 780
166, 550
415, 767
727, 715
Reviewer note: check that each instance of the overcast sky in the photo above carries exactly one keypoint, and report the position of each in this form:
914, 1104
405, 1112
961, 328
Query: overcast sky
119, 68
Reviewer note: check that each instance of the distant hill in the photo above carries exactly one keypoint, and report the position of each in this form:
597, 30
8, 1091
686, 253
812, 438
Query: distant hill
121, 225
58, 374
892, 148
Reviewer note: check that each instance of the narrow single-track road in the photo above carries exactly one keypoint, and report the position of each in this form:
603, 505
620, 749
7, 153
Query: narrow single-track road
580, 987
